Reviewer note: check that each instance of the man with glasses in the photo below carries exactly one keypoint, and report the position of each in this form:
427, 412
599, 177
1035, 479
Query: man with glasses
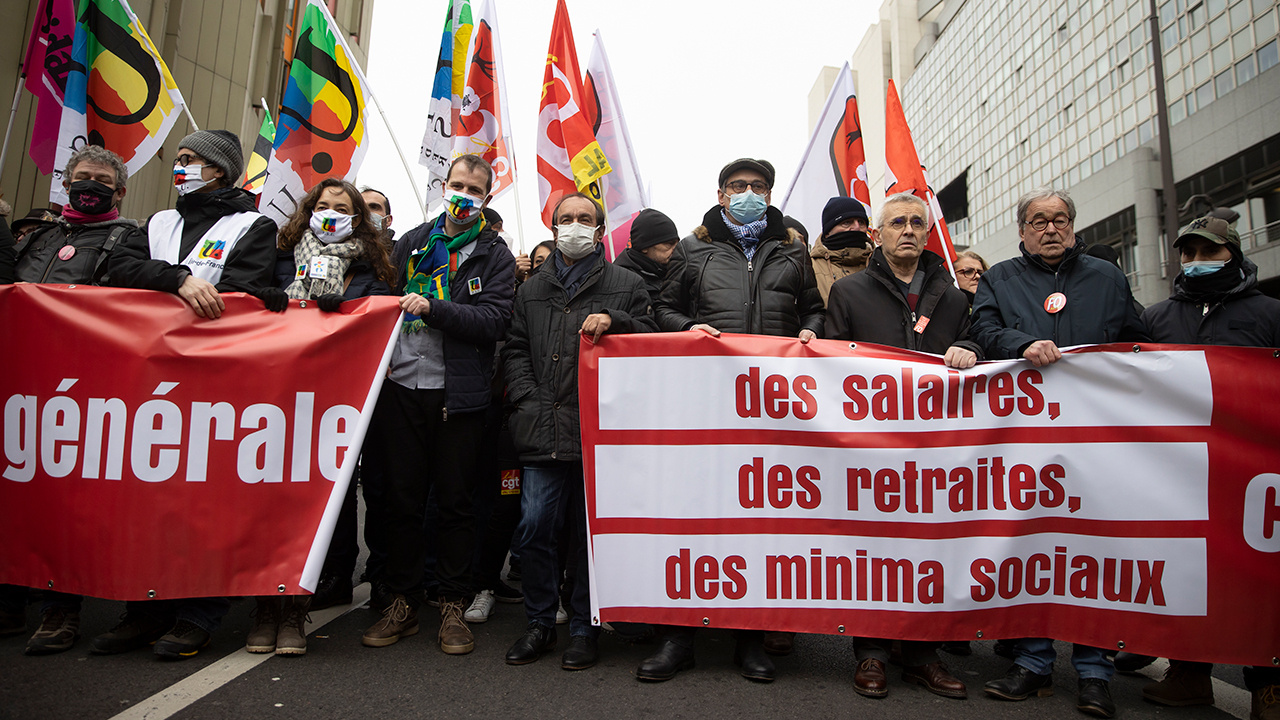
741, 271
1027, 307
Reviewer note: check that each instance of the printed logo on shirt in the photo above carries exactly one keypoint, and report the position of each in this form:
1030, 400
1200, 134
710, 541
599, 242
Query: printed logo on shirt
212, 249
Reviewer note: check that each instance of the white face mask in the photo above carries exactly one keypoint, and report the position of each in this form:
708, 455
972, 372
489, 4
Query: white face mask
331, 226
188, 178
464, 209
377, 221
575, 241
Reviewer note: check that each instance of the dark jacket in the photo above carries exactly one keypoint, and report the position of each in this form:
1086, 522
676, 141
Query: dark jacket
540, 356
363, 280
647, 268
869, 307
39, 260
249, 265
1009, 313
709, 280
472, 323
6, 254
1241, 316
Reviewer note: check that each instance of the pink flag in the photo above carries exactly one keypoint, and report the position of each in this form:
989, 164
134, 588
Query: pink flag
45, 67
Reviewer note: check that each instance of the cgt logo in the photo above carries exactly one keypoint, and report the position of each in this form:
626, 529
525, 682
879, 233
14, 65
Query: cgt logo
1262, 513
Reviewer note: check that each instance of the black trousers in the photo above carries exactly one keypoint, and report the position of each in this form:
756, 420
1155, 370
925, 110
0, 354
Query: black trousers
413, 448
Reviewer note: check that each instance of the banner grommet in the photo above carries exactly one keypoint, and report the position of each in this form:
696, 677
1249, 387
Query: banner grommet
1120, 645
151, 594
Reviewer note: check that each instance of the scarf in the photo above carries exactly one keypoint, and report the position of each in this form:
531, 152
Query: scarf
748, 235
76, 217
430, 270
331, 259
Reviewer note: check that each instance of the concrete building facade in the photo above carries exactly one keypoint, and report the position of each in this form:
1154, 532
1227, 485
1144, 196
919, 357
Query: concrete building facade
225, 56
1005, 97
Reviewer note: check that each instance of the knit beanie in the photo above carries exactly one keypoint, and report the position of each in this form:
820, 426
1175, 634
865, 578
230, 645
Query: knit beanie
650, 228
220, 147
839, 209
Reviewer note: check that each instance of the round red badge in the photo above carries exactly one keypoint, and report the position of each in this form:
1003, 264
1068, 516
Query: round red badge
1054, 303
67, 252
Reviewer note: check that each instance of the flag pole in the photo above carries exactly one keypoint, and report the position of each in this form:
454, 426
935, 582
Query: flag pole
412, 181
13, 112
187, 110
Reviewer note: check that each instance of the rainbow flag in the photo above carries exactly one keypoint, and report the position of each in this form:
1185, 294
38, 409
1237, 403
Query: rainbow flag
119, 94
321, 130
255, 171
447, 89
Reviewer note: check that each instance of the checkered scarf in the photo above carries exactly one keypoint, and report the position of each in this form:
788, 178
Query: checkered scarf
340, 257
748, 235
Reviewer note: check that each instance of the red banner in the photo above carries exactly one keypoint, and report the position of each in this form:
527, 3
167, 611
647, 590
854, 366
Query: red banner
1124, 497
151, 453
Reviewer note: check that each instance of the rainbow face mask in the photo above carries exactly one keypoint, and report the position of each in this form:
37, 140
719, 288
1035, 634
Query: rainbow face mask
462, 208
331, 226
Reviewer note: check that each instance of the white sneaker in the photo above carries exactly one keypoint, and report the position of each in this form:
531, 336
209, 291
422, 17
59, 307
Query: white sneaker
481, 608
562, 616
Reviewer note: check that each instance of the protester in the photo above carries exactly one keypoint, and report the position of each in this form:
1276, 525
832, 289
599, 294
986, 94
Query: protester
380, 214
457, 280
75, 248
33, 220
213, 242
578, 294
1027, 307
905, 298
653, 240
1215, 301
970, 267
7, 254
844, 245
541, 253
741, 271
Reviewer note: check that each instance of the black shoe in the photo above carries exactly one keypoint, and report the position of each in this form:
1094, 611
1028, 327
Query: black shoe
753, 661
1127, 662
1094, 698
1005, 649
184, 640
959, 647
132, 632
507, 594
581, 653
536, 640
1020, 684
331, 591
670, 659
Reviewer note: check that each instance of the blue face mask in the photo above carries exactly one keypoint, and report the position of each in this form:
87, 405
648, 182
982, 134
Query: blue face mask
747, 207
1200, 268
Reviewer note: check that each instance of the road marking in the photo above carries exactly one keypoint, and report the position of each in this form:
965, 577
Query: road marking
180, 695
1226, 697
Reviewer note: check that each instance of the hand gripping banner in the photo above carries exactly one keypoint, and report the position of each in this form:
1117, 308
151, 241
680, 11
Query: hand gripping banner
1124, 497
151, 453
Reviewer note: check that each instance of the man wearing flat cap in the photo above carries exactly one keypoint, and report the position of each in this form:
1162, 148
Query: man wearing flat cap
215, 240
653, 240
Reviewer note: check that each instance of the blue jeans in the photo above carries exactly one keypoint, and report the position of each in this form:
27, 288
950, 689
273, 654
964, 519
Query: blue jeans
1037, 655
552, 495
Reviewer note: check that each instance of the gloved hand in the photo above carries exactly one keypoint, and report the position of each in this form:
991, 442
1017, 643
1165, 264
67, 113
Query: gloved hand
330, 302
273, 297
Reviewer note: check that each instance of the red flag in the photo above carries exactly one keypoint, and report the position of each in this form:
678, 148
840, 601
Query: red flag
904, 173
47, 62
569, 158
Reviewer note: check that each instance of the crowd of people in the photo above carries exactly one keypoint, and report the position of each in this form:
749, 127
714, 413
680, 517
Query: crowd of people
482, 386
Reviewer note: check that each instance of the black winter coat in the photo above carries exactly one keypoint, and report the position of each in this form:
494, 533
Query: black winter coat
868, 307
472, 323
249, 265
1242, 316
647, 268
1009, 313
7, 254
39, 260
364, 281
709, 280
540, 357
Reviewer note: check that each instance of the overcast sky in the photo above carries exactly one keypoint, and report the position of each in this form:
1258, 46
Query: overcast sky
701, 83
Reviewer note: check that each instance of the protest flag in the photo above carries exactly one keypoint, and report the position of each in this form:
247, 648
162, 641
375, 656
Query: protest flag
321, 130
119, 93
904, 173
255, 171
622, 190
446, 97
45, 67
834, 164
569, 158
483, 127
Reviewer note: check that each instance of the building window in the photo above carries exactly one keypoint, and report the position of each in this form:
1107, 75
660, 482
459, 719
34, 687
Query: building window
1267, 57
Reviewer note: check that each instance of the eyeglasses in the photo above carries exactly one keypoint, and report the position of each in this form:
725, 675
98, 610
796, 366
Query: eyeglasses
184, 159
899, 223
738, 186
969, 272
1039, 224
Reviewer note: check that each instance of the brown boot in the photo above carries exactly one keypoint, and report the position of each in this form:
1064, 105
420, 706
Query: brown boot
292, 639
1266, 703
1184, 683
398, 620
937, 679
869, 679
266, 623
455, 636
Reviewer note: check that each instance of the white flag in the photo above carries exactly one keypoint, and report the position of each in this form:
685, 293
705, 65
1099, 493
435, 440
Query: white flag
623, 190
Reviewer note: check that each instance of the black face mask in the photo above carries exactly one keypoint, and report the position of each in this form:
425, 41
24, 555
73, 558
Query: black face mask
90, 197
846, 239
